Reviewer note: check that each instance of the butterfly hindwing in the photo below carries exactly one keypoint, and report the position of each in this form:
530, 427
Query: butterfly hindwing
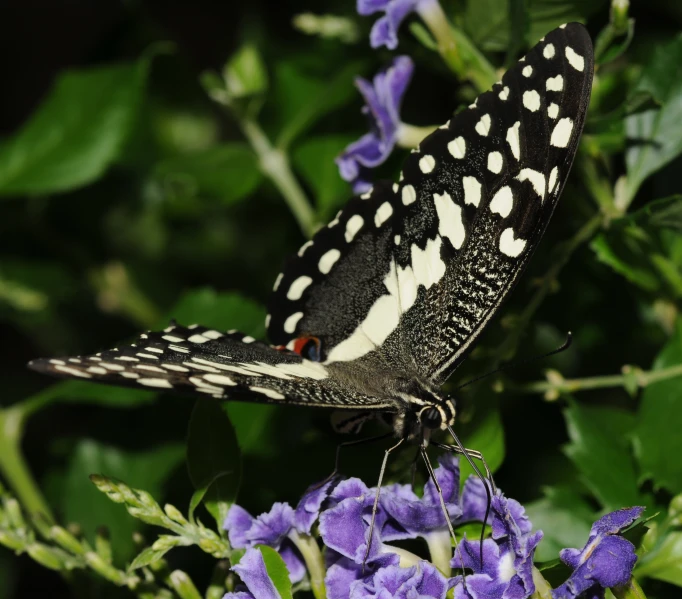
438, 252
202, 361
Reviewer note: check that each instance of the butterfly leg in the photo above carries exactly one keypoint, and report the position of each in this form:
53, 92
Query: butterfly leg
432, 476
375, 507
349, 444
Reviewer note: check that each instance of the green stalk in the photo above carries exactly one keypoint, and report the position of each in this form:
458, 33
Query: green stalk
15, 470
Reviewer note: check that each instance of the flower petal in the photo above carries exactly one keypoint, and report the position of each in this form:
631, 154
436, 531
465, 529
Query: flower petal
251, 569
237, 523
308, 509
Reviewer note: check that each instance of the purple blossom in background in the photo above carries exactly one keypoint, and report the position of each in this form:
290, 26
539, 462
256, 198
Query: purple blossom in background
383, 97
343, 511
606, 560
385, 29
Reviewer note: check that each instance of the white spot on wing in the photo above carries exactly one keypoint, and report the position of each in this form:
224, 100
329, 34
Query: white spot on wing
450, 223
172, 338
298, 287
504, 94
483, 126
548, 51
513, 139
553, 176
291, 322
555, 84
158, 383
396, 240
472, 190
552, 111
531, 100
278, 280
510, 246
536, 178
271, 393
219, 379
306, 245
495, 162
427, 164
328, 260
353, 225
502, 202
195, 339
574, 59
457, 147
408, 195
383, 213
561, 134
527, 71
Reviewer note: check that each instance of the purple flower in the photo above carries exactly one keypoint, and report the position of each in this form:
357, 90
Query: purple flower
252, 571
422, 581
385, 30
383, 98
507, 568
606, 560
274, 528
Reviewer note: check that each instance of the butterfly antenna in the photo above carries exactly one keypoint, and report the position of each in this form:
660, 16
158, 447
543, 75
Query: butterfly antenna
432, 476
375, 507
566, 344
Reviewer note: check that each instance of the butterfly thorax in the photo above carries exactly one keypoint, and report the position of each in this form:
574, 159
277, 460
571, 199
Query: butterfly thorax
424, 409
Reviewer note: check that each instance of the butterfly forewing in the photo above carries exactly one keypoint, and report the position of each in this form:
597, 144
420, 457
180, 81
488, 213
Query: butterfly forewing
453, 236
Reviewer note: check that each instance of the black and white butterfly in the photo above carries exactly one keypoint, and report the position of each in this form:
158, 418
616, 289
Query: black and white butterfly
381, 306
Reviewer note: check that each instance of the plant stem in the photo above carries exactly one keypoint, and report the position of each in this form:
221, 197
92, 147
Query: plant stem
14, 467
642, 378
314, 562
508, 347
631, 590
275, 165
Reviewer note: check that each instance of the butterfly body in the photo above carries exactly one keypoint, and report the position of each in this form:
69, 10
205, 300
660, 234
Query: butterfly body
381, 306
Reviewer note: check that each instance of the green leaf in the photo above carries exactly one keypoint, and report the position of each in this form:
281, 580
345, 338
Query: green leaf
84, 504
147, 556
229, 172
564, 517
245, 73
90, 393
600, 450
277, 571
665, 561
220, 311
659, 421
634, 266
663, 213
76, 133
314, 158
484, 433
303, 99
656, 135
213, 458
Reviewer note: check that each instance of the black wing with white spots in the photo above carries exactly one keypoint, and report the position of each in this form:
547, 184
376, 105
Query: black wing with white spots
399, 285
203, 361
408, 275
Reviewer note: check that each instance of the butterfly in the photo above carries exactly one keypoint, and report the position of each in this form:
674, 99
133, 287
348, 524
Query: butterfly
380, 307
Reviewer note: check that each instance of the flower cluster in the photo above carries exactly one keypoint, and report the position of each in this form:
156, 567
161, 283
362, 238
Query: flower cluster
357, 566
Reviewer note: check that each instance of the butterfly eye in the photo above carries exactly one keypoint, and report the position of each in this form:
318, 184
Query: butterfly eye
430, 418
308, 348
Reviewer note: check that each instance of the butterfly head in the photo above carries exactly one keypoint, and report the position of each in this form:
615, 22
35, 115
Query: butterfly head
427, 410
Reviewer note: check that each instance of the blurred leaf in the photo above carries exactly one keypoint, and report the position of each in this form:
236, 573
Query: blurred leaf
600, 450
219, 311
564, 517
655, 136
84, 504
484, 433
229, 172
74, 391
76, 133
665, 562
634, 266
487, 21
302, 99
664, 213
610, 44
7, 575
277, 571
245, 73
147, 556
252, 422
213, 458
314, 158
659, 422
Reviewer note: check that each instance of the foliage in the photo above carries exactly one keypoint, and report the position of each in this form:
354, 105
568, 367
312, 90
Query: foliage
149, 184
